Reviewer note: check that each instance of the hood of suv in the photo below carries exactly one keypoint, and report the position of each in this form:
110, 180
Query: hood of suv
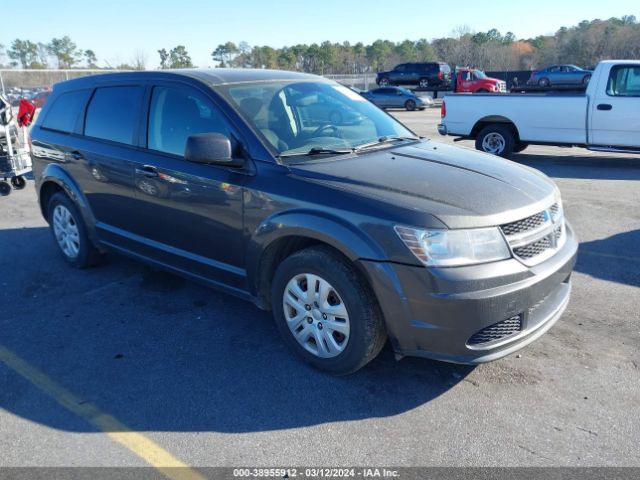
461, 187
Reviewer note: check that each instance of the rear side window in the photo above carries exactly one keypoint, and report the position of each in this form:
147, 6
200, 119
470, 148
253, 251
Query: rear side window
63, 113
113, 114
178, 112
624, 81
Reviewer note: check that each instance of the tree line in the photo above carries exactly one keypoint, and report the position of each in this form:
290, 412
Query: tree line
584, 44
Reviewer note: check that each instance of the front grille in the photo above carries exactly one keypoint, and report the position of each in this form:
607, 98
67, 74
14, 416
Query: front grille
522, 226
532, 239
532, 249
497, 331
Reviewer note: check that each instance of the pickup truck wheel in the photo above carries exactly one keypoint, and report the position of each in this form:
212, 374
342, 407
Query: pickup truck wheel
519, 147
326, 312
495, 139
423, 83
70, 232
410, 105
384, 82
543, 82
482, 90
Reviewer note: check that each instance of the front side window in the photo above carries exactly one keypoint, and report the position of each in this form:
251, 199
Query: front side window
295, 117
624, 81
113, 114
176, 113
64, 111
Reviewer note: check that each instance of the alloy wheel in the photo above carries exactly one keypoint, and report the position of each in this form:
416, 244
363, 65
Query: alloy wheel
493, 143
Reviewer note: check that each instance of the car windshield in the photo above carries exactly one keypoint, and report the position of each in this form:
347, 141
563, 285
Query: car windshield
479, 74
300, 120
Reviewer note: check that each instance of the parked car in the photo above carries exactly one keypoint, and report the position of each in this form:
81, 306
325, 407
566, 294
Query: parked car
472, 80
560, 75
604, 118
40, 98
349, 233
395, 97
423, 75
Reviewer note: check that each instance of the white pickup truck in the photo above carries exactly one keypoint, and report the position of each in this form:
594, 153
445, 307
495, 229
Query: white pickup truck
606, 117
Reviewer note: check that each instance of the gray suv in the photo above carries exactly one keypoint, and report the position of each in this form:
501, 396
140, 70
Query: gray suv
352, 233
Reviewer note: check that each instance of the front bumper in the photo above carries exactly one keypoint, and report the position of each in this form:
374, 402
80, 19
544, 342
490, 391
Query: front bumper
434, 313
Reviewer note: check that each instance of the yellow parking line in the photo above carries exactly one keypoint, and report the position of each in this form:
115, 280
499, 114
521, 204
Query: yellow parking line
142, 446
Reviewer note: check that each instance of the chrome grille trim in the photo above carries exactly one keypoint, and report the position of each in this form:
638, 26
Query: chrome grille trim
537, 237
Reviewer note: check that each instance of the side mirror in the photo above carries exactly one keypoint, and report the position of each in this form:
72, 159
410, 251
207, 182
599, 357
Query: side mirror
211, 148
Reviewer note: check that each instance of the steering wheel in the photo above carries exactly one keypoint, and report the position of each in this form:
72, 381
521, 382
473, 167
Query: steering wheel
327, 127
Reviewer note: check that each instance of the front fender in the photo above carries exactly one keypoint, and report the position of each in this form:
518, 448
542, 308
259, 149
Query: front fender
56, 174
345, 237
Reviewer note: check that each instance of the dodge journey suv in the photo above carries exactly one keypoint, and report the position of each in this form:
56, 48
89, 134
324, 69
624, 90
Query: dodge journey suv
352, 233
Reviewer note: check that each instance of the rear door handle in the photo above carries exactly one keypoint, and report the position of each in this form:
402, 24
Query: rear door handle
604, 106
147, 171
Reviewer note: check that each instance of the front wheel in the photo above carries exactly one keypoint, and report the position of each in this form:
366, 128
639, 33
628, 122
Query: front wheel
496, 139
410, 105
326, 312
586, 79
70, 232
544, 82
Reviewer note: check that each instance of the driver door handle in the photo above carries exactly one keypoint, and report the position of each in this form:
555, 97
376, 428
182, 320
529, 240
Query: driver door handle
604, 106
147, 171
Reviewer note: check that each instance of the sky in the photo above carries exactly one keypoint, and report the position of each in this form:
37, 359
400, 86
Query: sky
117, 29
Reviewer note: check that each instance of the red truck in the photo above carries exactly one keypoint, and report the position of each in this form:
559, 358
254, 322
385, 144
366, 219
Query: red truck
471, 80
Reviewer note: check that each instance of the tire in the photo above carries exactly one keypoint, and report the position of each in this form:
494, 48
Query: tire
5, 189
360, 333
586, 79
544, 82
384, 82
423, 83
519, 147
496, 139
410, 105
18, 183
482, 90
70, 232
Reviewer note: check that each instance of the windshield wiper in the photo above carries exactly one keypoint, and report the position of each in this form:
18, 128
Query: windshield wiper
318, 151
383, 140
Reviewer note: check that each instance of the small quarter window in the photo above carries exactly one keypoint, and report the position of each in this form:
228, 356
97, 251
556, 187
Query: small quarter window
65, 110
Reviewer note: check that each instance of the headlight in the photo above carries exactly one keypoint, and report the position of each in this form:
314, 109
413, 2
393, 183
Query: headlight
452, 248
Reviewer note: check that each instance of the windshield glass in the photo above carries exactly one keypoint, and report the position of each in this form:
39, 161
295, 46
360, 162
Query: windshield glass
479, 74
296, 118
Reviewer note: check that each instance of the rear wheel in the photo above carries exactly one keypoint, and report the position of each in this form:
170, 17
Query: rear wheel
18, 182
383, 82
496, 139
423, 83
410, 105
70, 232
325, 311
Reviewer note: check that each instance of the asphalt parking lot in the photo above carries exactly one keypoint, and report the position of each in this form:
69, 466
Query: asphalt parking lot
205, 377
